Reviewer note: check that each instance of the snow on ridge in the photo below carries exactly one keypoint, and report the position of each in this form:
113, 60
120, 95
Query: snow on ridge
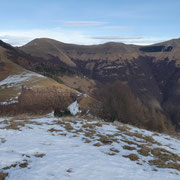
12, 80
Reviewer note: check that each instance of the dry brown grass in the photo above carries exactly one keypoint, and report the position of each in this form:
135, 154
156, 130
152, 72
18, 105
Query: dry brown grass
16, 124
114, 150
145, 151
129, 147
147, 139
123, 128
165, 155
77, 131
89, 134
39, 101
9, 167
68, 127
98, 124
54, 130
86, 140
97, 144
132, 157
161, 164
91, 126
3, 175
39, 155
129, 142
23, 165
165, 159
104, 139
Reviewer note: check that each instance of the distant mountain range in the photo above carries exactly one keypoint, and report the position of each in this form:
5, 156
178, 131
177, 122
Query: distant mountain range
152, 72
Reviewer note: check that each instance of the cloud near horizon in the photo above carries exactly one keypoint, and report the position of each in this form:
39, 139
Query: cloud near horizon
21, 37
117, 37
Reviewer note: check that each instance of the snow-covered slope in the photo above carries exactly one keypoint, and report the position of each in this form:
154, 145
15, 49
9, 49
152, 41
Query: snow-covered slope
49, 148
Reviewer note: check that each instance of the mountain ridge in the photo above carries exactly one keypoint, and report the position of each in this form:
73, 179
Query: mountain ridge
153, 73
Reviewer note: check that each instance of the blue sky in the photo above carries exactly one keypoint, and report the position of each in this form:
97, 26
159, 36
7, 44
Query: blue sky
90, 21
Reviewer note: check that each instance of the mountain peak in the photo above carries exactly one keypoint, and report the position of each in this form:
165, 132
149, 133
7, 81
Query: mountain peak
6, 46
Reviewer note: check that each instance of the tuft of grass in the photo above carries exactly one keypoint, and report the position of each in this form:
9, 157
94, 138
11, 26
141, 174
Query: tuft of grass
54, 130
114, 150
129, 148
97, 144
62, 134
123, 128
86, 140
98, 124
89, 135
68, 127
3, 175
39, 155
145, 151
78, 130
23, 165
104, 139
165, 155
91, 126
9, 167
129, 142
165, 159
132, 157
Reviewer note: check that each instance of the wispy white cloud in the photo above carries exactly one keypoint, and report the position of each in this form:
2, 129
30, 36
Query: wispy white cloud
118, 27
117, 37
84, 23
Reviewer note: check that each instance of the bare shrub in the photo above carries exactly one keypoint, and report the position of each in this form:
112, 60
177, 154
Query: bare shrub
39, 101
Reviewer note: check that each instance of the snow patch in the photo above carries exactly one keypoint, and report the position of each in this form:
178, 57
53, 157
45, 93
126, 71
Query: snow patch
8, 102
12, 80
74, 108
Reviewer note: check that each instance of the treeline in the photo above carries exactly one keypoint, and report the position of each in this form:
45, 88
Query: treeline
118, 103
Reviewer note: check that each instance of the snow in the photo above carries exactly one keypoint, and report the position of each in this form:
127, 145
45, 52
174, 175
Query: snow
74, 108
8, 102
68, 157
13, 80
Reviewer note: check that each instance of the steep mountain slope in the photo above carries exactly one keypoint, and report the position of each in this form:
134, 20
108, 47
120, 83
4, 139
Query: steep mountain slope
152, 72
13, 77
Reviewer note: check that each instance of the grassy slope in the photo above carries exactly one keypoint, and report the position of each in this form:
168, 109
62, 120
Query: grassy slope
11, 69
